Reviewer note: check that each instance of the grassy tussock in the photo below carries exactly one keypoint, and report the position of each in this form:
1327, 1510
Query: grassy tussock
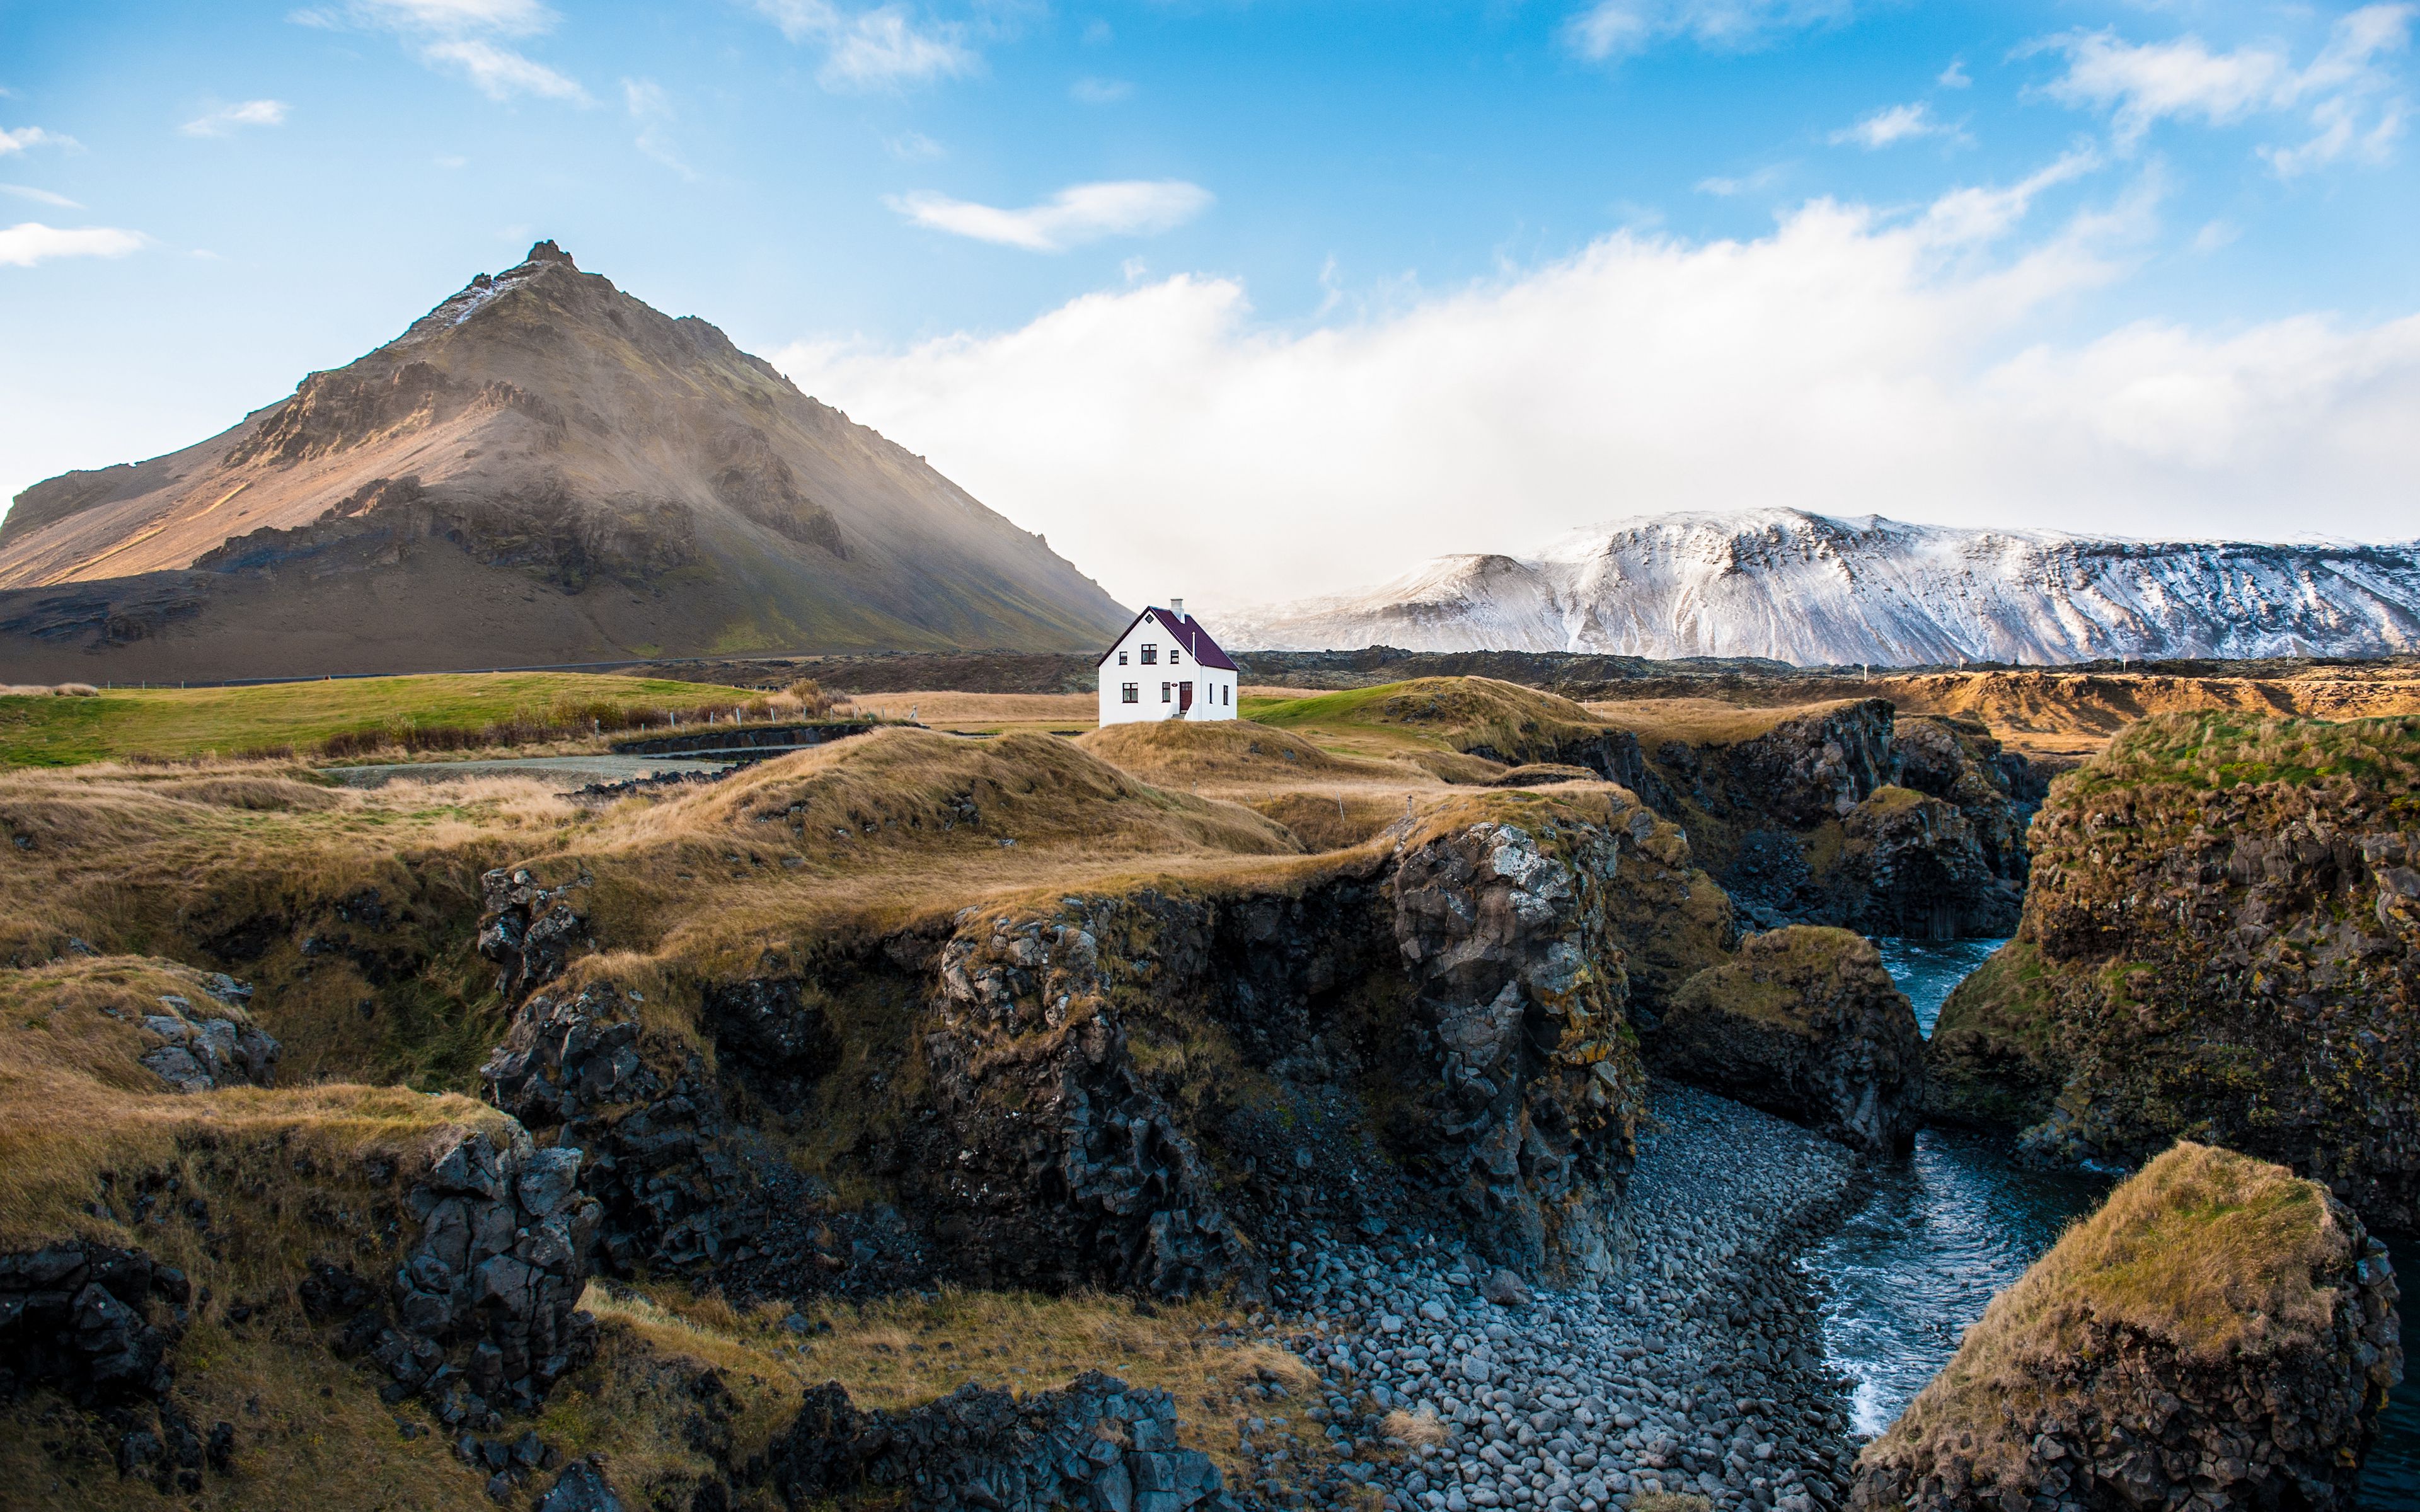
147, 862
1459, 713
1775, 975
2213, 1254
1230, 752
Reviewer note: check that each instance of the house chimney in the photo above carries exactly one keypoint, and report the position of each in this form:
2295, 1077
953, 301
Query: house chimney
1177, 607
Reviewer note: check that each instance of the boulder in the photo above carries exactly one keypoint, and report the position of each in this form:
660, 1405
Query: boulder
1804, 1023
2220, 1335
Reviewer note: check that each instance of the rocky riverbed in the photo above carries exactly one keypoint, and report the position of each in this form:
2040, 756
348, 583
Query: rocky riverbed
1697, 1367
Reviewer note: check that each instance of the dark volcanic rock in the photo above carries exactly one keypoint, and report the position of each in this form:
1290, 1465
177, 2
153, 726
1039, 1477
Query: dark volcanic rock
1092, 1443
1804, 1023
485, 1296
81, 1318
2221, 1335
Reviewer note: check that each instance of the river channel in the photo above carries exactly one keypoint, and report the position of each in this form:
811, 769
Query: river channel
1957, 1220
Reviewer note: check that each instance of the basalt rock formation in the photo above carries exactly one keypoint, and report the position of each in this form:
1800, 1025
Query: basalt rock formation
541, 470
1805, 1023
2219, 1336
1850, 814
2222, 941
1140, 1089
1091, 1444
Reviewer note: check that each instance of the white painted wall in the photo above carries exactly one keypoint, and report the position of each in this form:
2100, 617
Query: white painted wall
1155, 682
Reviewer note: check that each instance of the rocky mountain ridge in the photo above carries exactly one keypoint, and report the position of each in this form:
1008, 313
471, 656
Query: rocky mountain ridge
1816, 590
543, 469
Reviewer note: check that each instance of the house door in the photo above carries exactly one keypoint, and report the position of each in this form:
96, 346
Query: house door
1184, 699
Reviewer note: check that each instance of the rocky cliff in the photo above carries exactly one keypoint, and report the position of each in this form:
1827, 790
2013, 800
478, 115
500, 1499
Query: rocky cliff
2222, 941
2219, 1336
541, 470
1143, 1088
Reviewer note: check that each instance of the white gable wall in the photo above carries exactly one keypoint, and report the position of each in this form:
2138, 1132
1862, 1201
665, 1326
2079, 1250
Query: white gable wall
1155, 684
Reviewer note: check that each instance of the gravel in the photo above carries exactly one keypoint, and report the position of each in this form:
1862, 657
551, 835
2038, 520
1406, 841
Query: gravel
1696, 1367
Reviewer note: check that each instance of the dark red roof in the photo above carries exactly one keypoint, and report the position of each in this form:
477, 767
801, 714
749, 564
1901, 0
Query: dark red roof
1189, 634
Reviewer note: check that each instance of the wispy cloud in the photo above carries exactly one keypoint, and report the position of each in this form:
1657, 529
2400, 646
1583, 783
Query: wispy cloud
1764, 177
1955, 76
226, 119
30, 242
652, 109
1899, 123
21, 138
914, 146
1619, 28
2350, 96
1100, 91
1081, 213
873, 49
462, 37
40, 195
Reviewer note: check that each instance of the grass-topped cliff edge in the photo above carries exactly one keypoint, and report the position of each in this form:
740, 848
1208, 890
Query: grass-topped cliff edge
2222, 942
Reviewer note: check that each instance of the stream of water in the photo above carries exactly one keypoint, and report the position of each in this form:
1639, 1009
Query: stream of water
1958, 1220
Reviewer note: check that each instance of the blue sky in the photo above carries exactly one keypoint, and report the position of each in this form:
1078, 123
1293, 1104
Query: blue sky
1175, 281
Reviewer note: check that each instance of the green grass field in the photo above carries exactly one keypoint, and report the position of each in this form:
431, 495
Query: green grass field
43, 729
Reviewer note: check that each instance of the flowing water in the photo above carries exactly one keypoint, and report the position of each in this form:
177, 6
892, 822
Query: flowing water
1957, 1221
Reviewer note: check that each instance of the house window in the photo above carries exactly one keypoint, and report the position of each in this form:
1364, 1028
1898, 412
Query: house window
1174, 656
1130, 692
1227, 695
1151, 655
1167, 692
1122, 658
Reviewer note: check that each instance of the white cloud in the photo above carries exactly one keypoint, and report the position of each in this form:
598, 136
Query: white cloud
449, 17
1084, 213
30, 242
1100, 91
31, 136
1955, 76
652, 109
226, 119
1897, 123
2348, 90
876, 48
43, 196
1764, 177
914, 146
1848, 361
501, 72
461, 36
1618, 28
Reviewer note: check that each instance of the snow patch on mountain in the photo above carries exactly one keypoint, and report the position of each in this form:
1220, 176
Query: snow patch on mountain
1820, 590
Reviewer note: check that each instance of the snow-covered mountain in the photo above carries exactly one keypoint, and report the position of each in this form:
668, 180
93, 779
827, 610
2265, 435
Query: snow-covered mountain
1818, 590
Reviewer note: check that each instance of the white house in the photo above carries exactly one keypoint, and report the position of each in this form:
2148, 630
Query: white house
1166, 666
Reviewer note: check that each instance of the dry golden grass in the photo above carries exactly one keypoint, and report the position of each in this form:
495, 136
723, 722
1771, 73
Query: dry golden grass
1701, 722
1670, 1502
985, 713
2213, 1254
1235, 753
1412, 1429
